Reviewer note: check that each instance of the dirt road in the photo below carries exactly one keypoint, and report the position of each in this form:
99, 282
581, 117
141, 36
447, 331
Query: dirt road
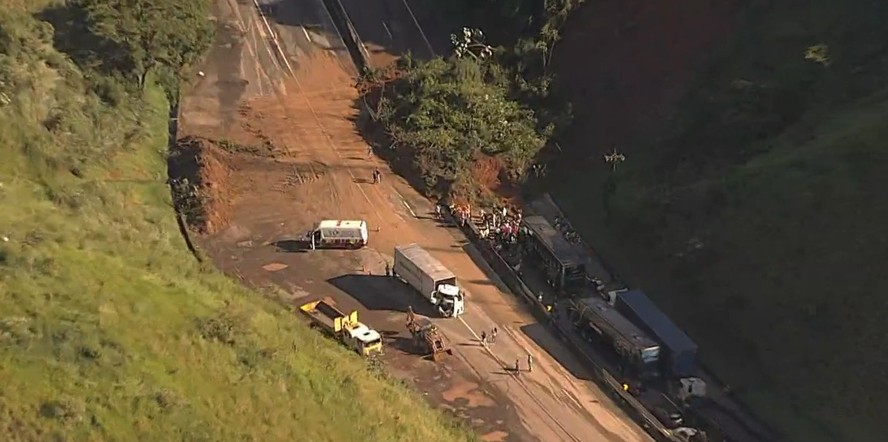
286, 83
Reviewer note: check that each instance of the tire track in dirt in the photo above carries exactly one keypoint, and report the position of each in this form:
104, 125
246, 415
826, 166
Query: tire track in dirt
310, 121
279, 110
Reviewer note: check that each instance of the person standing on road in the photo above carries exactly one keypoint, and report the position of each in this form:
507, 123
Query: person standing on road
369, 151
529, 363
388, 269
483, 337
377, 176
517, 366
493, 334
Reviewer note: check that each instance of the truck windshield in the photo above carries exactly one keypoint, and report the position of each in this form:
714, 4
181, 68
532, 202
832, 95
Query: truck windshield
650, 355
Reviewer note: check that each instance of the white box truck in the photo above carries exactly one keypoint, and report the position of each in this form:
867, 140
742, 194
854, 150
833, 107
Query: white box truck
430, 278
332, 233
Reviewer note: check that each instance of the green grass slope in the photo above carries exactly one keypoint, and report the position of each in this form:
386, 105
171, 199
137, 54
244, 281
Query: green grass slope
109, 329
759, 223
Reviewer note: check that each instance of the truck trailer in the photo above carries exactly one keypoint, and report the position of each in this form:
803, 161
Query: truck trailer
599, 322
420, 270
324, 315
332, 234
565, 268
680, 356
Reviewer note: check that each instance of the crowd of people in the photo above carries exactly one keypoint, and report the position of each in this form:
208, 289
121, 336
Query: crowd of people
500, 224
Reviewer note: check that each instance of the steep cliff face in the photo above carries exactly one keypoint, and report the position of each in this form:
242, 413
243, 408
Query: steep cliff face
751, 201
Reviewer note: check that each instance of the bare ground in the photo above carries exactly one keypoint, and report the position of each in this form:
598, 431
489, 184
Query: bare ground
295, 156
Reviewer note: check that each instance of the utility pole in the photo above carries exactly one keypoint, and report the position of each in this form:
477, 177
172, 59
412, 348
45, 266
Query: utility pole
613, 159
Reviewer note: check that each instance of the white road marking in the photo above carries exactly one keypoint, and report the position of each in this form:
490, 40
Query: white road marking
416, 22
248, 28
307, 37
387, 31
468, 327
348, 20
409, 208
277, 45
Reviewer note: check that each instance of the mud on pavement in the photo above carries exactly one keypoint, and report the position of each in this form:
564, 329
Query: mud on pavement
286, 154
263, 177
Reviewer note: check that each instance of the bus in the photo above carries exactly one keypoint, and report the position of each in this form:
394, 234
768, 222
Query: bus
564, 266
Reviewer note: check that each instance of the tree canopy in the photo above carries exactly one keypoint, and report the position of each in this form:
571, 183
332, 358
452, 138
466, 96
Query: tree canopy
449, 112
143, 35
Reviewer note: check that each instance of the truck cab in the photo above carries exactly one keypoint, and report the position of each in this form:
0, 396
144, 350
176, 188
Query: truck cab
363, 339
450, 300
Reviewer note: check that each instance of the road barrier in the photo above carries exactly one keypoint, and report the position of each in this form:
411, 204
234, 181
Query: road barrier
501, 267
349, 35
601, 376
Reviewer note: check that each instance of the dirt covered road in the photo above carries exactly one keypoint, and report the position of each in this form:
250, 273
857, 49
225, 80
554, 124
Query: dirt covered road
277, 100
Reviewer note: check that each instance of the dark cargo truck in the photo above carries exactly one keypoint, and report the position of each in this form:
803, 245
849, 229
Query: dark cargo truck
564, 267
600, 323
680, 352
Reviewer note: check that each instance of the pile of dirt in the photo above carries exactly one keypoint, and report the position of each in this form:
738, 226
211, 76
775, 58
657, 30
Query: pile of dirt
199, 171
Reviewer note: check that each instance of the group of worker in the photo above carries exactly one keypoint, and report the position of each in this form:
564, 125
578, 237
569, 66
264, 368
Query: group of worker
517, 368
487, 338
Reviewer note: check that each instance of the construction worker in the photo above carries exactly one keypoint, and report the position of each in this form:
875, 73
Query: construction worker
529, 363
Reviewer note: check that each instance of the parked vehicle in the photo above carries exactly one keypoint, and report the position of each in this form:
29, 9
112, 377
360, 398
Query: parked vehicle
680, 352
427, 336
324, 315
600, 323
350, 234
564, 267
420, 270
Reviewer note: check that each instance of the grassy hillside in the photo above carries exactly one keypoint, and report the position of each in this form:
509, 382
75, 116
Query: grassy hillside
757, 217
109, 329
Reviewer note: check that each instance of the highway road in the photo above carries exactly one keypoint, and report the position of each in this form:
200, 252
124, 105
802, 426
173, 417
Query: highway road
280, 74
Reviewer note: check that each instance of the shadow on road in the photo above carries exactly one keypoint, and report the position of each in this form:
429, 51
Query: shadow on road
312, 19
291, 246
379, 292
543, 337
405, 345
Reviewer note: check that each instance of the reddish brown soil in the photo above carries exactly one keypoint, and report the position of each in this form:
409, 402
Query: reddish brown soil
489, 175
625, 65
208, 168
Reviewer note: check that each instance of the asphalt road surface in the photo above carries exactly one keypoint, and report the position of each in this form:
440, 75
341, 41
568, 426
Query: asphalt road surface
279, 74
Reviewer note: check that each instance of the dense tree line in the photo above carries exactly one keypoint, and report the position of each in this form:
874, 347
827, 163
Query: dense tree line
448, 112
481, 100
132, 40
151, 35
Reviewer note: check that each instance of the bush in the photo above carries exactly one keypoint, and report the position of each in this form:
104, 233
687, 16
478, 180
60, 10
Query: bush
445, 113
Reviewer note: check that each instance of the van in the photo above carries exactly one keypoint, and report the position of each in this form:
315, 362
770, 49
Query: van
348, 234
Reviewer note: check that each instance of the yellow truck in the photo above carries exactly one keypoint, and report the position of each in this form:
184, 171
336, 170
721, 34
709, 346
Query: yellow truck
324, 315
